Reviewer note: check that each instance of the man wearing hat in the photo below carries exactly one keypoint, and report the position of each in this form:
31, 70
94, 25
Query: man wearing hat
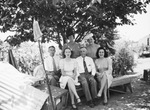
91, 47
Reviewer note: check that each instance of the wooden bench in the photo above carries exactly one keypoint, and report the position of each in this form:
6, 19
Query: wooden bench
60, 97
122, 81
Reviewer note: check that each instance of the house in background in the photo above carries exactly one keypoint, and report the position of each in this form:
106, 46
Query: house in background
145, 41
144, 45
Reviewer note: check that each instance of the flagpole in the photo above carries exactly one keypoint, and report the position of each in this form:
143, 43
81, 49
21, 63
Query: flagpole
47, 81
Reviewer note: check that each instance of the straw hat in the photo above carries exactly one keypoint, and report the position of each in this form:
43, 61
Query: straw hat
88, 36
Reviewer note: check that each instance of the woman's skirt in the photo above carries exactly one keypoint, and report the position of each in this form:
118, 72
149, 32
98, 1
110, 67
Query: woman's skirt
64, 80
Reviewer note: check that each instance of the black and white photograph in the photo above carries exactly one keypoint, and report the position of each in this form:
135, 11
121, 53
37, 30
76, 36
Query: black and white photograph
74, 54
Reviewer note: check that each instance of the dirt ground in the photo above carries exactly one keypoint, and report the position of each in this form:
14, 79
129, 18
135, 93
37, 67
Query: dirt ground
138, 100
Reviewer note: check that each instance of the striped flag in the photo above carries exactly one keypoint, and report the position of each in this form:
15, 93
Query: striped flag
36, 30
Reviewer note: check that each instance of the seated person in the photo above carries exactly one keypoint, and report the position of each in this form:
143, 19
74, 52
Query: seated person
39, 72
68, 78
51, 67
91, 47
104, 72
86, 69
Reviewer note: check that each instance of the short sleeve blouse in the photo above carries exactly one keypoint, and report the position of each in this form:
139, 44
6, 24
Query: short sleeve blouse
68, 65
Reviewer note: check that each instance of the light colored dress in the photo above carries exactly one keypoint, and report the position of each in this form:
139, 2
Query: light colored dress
105, 65
68, 67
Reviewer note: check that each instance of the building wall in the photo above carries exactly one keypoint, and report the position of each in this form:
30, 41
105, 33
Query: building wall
145, 41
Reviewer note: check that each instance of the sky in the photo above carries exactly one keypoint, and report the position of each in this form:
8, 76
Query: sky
126, 32
137, 31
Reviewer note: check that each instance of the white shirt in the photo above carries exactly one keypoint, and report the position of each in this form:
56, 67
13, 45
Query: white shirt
89, 63
39, 72
48, 63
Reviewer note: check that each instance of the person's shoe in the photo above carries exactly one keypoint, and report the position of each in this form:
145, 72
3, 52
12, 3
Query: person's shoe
99, 94
96, 101
79, 101
105, 103
74, 107
91, 104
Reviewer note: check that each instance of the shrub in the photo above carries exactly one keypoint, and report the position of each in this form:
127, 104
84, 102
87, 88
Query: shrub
123, 62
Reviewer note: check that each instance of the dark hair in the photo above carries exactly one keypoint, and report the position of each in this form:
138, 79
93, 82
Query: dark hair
51, 47
105, 52
63, 52
69, 32
82, 48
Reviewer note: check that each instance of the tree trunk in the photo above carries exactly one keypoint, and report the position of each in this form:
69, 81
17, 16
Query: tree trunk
59, 43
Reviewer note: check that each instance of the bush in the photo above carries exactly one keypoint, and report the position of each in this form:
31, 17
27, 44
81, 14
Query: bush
123, 62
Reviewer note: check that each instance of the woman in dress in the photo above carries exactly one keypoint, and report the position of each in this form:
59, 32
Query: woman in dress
68, 79
104, 72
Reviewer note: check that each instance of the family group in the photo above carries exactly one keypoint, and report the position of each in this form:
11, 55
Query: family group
87, 66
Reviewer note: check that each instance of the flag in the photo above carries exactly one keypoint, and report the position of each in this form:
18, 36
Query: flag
37, 34
36, 30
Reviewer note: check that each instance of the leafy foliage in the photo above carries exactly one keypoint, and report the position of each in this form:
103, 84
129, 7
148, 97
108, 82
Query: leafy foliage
123, 62
55, 18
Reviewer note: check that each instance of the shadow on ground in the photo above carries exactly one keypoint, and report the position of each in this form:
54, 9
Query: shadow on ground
138, 100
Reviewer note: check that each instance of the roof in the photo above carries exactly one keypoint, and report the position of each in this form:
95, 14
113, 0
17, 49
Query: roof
16, 90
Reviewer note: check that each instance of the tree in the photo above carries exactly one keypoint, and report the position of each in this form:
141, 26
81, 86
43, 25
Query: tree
57, 16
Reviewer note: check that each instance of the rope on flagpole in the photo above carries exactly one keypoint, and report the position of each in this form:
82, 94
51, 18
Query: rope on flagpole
47, 81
